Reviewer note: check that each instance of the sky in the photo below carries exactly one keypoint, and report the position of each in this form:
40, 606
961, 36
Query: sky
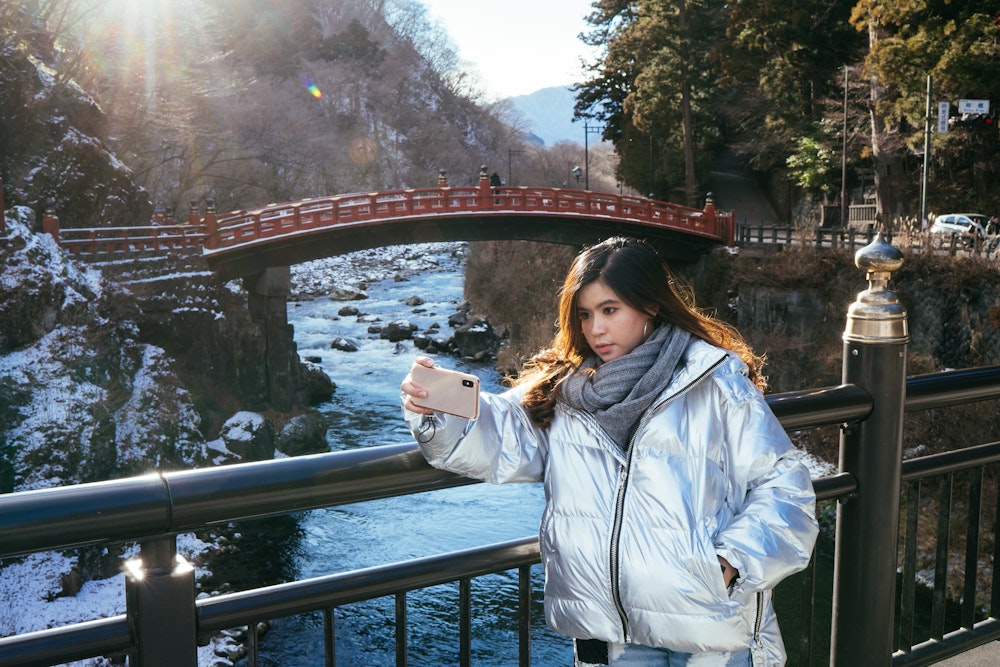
518, 46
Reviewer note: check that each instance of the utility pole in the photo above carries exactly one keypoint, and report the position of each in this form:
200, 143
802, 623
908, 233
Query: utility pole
650, 164
587, 129
927, 154
510, 152
843, 158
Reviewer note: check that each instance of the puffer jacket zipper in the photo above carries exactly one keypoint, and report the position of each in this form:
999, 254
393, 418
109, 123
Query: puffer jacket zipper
616, 530
757, 620
623, 479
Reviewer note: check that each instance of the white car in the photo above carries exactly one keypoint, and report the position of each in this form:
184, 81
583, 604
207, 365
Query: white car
965, 225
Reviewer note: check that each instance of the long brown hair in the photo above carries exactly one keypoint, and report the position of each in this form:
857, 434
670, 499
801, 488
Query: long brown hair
641, 279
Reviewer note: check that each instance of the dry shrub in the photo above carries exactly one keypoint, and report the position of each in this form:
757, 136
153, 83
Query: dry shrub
800, 266
516, 283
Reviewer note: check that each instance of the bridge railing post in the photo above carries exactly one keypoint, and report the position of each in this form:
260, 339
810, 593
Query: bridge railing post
211, 223
160, 606
485, 200
864, 575
50, 223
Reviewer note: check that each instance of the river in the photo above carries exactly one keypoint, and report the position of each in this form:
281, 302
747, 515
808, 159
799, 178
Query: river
364, 411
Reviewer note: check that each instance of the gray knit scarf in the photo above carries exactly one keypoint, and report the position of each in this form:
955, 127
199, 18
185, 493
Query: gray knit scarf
618, 392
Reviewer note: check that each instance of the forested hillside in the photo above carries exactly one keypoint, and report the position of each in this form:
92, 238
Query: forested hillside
241, 102
810, 93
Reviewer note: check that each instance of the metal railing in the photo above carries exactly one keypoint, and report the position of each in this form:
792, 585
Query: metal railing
153, 508
842, 238
163, 619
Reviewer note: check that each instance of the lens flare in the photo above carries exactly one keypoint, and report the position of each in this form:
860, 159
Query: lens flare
312, 88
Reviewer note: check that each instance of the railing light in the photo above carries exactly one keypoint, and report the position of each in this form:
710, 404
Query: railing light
135, 569
182, 565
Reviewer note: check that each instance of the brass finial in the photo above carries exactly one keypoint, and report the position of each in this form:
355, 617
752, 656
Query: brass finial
876, 315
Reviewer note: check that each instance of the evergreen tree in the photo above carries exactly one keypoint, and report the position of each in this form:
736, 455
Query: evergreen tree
655, 88
779, 65
958, 45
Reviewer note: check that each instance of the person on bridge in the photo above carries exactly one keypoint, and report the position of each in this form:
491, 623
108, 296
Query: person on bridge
675, 501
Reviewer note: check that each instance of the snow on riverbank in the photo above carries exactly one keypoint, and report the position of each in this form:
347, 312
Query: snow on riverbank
32, 587
320, 277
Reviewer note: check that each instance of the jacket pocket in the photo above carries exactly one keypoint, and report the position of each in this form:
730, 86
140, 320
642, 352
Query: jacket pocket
704, 567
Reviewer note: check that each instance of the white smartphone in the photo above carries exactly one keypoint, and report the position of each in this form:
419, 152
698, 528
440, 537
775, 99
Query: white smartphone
447, 391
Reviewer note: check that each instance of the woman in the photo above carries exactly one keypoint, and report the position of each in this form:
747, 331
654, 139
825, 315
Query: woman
675, 501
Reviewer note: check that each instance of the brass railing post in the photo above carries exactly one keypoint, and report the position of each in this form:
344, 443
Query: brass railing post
864, 576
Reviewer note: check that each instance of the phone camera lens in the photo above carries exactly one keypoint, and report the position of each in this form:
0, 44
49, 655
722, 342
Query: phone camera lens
466, 383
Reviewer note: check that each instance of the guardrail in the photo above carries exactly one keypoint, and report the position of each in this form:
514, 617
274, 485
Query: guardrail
129, 240
145, 509
164, 233
849, 239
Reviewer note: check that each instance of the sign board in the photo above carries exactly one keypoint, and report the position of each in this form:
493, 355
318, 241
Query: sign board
944, 108
973, 106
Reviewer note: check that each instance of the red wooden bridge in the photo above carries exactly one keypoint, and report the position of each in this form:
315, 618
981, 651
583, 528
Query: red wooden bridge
244, 243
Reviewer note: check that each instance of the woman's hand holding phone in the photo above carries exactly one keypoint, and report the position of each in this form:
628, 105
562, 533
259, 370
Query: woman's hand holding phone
430, 389
413, 390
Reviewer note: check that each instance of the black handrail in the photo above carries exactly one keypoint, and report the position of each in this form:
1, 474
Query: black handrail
111, 635
952, 644
835, 486
79, 641
824, 406
939, 390
235, 609
176, 502
948, 462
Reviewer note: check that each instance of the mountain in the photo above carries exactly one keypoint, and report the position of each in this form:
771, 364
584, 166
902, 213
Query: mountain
548, 114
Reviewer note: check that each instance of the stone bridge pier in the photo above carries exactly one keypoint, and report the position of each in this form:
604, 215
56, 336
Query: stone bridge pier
268, 306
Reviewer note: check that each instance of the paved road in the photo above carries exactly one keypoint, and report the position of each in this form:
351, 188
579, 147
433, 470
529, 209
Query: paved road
736, 191
987, 655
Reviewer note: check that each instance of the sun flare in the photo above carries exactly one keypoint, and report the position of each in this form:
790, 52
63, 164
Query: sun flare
137, 44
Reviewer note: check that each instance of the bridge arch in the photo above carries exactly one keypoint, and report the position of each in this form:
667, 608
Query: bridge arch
243, 244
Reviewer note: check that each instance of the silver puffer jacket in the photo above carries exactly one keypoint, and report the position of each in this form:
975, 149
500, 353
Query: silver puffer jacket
630, 540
